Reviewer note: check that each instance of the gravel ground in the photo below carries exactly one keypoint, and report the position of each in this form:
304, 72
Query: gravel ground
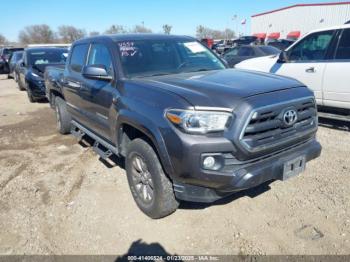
57, 197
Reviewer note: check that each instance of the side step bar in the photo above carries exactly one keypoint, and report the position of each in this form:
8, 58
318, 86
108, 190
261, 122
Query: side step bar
334, 116
76, 132
102, 152
103, 148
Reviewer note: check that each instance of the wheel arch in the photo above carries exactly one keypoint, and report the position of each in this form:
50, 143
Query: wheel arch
131, 126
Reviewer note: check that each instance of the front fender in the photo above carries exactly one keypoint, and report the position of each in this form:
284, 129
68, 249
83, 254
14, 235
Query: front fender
150, 129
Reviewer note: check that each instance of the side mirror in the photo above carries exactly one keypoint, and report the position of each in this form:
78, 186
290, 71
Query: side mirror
98, 72
283, 57
22, 64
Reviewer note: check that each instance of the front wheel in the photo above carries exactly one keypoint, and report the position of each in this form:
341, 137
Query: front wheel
63, 117
30, 95
150, 187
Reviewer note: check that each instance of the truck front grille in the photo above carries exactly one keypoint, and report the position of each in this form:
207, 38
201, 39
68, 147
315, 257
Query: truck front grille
268, 126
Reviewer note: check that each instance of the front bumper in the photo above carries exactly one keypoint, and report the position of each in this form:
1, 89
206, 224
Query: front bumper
37, 88
209, 186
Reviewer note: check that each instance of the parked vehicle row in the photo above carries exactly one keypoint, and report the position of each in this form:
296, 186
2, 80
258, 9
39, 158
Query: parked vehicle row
224, 45
189, 128
321, 60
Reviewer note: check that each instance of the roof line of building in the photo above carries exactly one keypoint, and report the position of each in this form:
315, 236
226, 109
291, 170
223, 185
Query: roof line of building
301, 5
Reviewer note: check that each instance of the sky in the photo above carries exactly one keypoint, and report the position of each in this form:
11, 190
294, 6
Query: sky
183, 15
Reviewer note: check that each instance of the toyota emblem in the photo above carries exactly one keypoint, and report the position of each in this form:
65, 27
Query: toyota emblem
290, 117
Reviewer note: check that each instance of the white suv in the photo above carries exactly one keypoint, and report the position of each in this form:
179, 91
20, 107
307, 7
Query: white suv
320, 60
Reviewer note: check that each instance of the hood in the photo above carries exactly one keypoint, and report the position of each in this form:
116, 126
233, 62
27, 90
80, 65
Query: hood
39, 69
263, 64
222, 88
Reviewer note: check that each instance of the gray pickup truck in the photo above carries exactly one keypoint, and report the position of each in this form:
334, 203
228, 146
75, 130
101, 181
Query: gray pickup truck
188, 127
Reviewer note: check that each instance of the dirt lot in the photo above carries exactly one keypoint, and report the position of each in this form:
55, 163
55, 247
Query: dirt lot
57, 197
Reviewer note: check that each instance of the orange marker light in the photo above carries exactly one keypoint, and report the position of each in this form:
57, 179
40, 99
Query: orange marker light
173, 118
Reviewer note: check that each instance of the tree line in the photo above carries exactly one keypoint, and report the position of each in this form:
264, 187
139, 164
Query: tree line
206, 32
44, 34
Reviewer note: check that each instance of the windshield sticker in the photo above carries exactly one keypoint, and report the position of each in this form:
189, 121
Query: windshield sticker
128, 48
195, 47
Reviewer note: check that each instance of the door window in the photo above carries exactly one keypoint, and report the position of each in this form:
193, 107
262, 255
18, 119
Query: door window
343, 50
99, 55
312, 47
77, 60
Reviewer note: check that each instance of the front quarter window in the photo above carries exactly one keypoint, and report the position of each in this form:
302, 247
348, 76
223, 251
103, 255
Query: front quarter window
312, 48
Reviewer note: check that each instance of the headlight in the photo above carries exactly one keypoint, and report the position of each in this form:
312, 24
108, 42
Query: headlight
193, 121
35, 75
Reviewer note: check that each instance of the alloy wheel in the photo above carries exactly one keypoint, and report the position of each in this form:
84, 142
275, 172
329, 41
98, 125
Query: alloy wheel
142, 179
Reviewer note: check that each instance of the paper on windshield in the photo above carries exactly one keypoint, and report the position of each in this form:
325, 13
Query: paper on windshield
195, 47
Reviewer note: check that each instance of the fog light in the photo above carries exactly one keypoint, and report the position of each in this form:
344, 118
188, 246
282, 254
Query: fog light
209, 162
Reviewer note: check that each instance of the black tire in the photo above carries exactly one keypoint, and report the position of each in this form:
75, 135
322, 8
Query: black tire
30, 96
63, 118
20, 87
148, 176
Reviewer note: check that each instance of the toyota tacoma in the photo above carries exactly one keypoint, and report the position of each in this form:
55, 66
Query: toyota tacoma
188, 127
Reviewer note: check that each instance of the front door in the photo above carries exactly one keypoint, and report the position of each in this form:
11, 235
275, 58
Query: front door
97, 95
307, 61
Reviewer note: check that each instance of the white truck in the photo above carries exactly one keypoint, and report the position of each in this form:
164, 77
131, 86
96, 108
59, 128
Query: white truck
321, 60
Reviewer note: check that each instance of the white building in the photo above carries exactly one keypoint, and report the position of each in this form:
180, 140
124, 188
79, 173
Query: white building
297, 20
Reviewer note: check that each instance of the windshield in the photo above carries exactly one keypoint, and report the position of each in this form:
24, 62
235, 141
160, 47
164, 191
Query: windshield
144, 58
270, 50
8, 52
40, 57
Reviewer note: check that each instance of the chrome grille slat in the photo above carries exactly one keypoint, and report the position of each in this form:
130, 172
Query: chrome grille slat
268, 128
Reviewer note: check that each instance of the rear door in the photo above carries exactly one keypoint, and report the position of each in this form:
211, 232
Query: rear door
307, 61
336, 84
97, 95
73, 80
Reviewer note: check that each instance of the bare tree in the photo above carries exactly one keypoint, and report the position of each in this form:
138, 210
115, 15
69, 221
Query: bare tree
141, 29
205, 32
116, 29
36, 34
167, 29
201, 32
3, 40
229, 34
94, 33
69, 34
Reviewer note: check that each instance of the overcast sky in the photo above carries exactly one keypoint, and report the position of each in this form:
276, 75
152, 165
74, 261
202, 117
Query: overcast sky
183, 15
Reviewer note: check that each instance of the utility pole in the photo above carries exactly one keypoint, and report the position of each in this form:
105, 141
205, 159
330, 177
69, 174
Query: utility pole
234, 19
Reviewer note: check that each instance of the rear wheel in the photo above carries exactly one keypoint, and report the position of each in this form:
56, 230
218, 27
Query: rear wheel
63, 118
20, 87
150, 187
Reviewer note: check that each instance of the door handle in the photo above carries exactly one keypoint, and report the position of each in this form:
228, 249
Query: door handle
310, 70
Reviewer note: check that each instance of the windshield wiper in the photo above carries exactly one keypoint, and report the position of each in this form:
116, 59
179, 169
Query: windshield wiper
201, 70
159, 74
